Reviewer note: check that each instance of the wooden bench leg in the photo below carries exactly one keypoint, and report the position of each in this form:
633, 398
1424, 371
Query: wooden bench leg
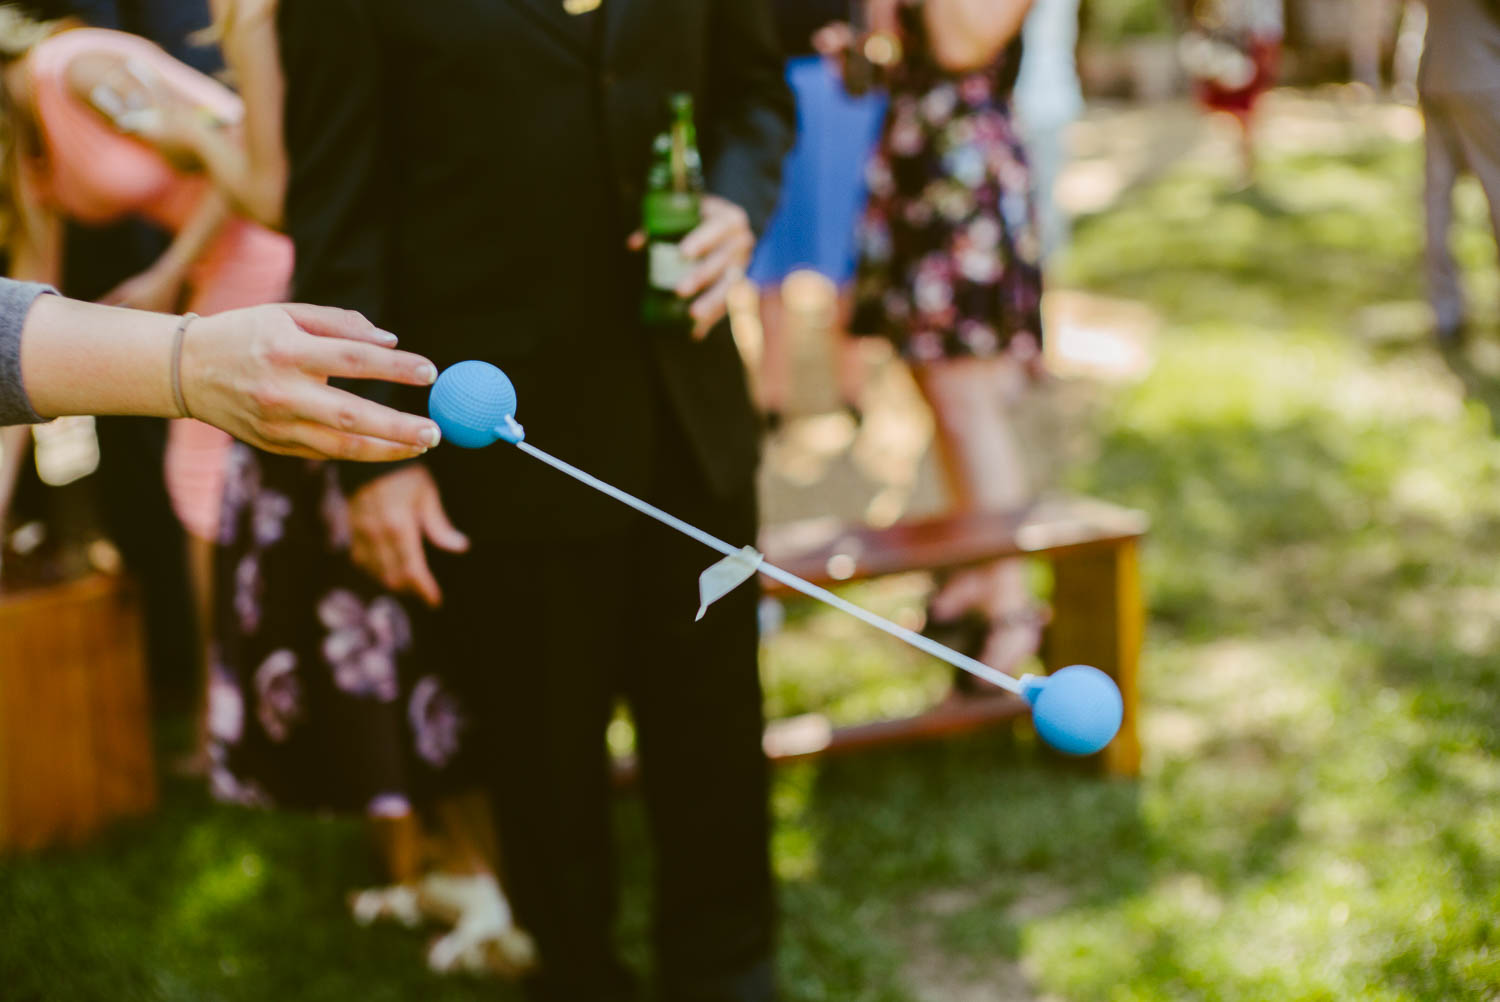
1098, 619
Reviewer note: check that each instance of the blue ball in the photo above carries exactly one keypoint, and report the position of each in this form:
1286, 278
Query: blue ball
471, 402
1076, 710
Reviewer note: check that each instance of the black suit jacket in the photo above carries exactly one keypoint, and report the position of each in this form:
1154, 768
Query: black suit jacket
466, 172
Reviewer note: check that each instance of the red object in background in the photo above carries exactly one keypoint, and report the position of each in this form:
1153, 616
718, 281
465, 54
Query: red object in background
1265, 53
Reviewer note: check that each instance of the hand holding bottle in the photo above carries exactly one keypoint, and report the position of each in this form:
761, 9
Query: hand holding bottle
718, 250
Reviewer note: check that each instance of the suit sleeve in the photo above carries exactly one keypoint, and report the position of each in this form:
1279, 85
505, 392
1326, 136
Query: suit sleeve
336, 181
753, 117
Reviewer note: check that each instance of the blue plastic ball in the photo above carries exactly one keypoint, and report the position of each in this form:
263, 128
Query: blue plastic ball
471, 402
1077, 709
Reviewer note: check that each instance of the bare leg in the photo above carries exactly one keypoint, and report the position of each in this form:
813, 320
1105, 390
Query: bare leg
466, 835
984, 467
14, 442
1247, 149
849, 366
775, 354
396, 835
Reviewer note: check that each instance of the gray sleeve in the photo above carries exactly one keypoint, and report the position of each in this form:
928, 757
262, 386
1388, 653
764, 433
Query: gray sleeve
15, 302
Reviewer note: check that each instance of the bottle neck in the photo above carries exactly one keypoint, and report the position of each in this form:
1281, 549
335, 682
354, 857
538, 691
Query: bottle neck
679, 156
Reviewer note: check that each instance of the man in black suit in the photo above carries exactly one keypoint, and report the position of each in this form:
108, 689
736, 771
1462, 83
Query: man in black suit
470, 173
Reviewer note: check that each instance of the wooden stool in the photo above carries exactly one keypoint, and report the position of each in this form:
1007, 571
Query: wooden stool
75, 744
1097, 613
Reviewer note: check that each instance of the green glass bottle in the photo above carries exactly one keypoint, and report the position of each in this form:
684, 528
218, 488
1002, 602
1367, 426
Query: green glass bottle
671, 211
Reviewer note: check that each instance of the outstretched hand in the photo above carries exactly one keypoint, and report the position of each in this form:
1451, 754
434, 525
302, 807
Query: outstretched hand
262, 374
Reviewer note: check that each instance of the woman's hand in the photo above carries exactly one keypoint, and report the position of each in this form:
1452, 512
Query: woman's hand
262, 373
157, 290
833, 40
390, 519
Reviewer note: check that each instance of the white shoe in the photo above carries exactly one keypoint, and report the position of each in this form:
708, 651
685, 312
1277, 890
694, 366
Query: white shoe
484, 936
398, 903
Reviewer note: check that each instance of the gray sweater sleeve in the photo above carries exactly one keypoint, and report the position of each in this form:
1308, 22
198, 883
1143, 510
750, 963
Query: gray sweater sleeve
15, 302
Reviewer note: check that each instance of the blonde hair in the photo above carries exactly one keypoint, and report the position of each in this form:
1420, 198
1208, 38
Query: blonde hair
19, 34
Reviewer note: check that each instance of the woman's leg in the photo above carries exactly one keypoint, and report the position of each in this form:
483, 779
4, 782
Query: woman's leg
775, 356
983, 463
848, 363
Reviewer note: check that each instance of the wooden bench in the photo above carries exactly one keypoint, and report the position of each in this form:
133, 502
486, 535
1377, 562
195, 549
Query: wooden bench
75, 744
1097, 612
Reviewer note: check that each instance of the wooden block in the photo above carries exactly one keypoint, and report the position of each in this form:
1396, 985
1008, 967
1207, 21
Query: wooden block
1098, 619
75, 745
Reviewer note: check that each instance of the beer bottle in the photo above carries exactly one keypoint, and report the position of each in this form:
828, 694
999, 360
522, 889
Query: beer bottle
670, 212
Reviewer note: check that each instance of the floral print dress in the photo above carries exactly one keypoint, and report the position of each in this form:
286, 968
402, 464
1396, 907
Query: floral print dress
949, 250
316, 698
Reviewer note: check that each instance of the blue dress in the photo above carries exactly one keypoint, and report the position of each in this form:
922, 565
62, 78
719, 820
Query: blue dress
822, 185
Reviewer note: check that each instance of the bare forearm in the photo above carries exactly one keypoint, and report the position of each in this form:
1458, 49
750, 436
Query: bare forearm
81, 358
196, 235
970, 34
254, 185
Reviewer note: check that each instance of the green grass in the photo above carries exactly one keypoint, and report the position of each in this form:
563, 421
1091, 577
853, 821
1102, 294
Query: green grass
1320, 812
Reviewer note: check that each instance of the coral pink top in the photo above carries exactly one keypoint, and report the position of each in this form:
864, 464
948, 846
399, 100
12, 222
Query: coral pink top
95, 174
91, 172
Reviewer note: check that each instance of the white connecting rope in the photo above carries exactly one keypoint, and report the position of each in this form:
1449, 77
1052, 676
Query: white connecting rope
921, 643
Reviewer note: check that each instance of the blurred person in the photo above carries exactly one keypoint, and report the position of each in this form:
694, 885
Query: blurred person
822, 195
1049, 98
517, 242
100, 125
950, 272
1371, 23
251, 167
96, 261
1459, 86
378, 747
1232, 52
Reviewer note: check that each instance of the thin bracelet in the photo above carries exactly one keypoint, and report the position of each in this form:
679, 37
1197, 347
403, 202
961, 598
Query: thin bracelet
182, 326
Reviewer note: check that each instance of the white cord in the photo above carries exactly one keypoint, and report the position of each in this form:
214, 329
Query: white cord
921, 643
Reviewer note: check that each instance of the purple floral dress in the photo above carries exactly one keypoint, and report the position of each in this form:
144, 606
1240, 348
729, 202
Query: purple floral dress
949, 250
316, 697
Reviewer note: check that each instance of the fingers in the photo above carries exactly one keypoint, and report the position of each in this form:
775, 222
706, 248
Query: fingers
729, 260
709, 308
414, 575
318, 441
351, 359
326, 321
438, 528
352, 416
722, 221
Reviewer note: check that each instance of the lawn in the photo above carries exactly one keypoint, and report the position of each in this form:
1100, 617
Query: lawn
1319, 815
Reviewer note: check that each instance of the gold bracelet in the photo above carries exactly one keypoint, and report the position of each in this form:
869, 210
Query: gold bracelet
177, 337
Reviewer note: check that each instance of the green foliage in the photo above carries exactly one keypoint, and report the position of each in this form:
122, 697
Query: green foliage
1112, 21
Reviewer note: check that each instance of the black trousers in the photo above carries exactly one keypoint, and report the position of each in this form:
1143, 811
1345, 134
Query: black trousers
545, 635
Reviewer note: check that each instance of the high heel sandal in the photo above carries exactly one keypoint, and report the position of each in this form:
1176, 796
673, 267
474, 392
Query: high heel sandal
485, 938
396, 903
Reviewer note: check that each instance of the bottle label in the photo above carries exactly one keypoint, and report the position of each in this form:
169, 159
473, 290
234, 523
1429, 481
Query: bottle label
668, 266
